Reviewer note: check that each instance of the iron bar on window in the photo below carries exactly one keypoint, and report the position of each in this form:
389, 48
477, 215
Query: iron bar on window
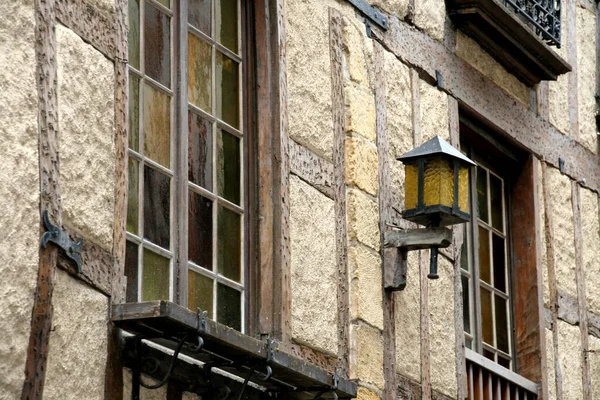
544, 15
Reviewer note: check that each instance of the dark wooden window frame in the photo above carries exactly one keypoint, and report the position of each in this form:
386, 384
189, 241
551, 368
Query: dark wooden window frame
526, 283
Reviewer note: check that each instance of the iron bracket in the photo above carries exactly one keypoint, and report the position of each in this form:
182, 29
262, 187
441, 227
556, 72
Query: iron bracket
371, 12
61, 239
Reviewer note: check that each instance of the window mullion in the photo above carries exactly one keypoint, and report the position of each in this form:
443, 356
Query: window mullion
477, 331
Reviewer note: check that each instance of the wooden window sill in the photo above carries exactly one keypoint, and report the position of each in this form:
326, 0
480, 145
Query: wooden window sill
512, 43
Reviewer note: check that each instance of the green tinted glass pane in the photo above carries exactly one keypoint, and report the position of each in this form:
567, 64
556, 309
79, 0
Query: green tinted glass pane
228, 104
134, 112
496, 203
501, 324
199, 73
155, 278
132, 197
200, 151
157, 45
464, 251
229, 243
226, 24
228, 166
131, 271
487, 324
133, 36
482, 208
200, 292
466, 304
157, 125
157, 207
200, 230
166, 3
484, 255
469, 343
499, 263
229, 306
199, 15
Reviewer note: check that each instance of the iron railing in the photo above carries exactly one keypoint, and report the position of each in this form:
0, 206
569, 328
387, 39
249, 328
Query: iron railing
543, 16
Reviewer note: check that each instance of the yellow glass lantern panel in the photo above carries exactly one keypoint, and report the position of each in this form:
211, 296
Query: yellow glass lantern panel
439, 183
463, 189
412, 186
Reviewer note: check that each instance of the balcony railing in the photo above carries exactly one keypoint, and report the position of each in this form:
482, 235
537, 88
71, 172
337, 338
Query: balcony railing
489, 381
542, 15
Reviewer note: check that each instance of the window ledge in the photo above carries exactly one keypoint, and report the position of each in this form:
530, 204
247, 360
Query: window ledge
502, 373
500, 32
166, 323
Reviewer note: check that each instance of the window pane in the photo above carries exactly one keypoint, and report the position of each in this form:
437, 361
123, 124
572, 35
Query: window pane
496, 200
229, 307
487, 324
226, 24
488, 354
482, 208
134, 112
484, 255
165, 3
200, 292
469, 343
464, 255
505, 362
133, 36
499, 263
199, 73
229, 166
132, 197
466, 304
501, 324
200, 15
227, 90
157, 44
131, 271
200, 151
155, 283
157, 191
200, 233
229, 244
157, 125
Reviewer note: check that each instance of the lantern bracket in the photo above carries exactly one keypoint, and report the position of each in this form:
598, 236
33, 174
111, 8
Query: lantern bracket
408, 240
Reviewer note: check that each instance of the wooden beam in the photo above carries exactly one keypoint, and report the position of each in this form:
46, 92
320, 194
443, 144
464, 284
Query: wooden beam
336, 47
312, 168
418, 239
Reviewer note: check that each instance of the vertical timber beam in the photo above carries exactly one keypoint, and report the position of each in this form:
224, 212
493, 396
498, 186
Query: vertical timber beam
41, 322
385, 212
581, 290
339, 168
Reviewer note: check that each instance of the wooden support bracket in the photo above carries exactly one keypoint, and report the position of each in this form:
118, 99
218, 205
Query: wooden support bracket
403, 241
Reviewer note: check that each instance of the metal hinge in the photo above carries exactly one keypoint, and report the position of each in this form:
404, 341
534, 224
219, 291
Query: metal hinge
61, 239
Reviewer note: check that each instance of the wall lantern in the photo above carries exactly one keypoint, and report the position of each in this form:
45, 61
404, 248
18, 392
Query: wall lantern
436, 196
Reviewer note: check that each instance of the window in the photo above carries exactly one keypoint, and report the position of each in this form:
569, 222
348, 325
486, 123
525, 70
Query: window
186, 213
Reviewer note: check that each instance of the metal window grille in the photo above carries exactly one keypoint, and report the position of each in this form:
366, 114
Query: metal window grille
543, 16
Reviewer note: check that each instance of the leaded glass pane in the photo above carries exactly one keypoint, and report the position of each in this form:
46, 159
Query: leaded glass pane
200, 15
229, 306
229, 166
157, 44
157, 206
132, 197
133, 36
200, 151
156, 282
227, 89
229, 244
157, 125
200, 230
199, 73
226, 24
200, 292
484, 255
482, 204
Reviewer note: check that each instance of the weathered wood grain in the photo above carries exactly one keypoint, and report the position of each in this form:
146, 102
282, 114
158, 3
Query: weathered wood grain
320, 359
336, 47
312, 168
418, 239
94, 26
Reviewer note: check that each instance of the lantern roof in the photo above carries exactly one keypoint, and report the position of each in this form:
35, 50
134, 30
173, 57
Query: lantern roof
437, 145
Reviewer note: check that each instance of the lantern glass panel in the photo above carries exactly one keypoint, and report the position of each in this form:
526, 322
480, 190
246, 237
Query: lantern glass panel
463, 188
412, 186
439, 182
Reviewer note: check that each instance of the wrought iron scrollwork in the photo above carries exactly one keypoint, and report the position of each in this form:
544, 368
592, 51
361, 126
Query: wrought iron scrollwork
543, 15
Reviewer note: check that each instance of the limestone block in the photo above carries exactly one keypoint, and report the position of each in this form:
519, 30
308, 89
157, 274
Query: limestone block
471, 52
543, 256
430, 16
441, 329
358, 50
559, 102
366, 286
190, 396
408, 322
570, 355
586, 75
366, 394
314, 271
399, 121
360, 111
361, 165
78, 341
399, 8
563, 231
145, 394
104, 5
434, 113
19, 189
87, 135
369, 355
590, 229
595, 365
362, 218
550, 366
